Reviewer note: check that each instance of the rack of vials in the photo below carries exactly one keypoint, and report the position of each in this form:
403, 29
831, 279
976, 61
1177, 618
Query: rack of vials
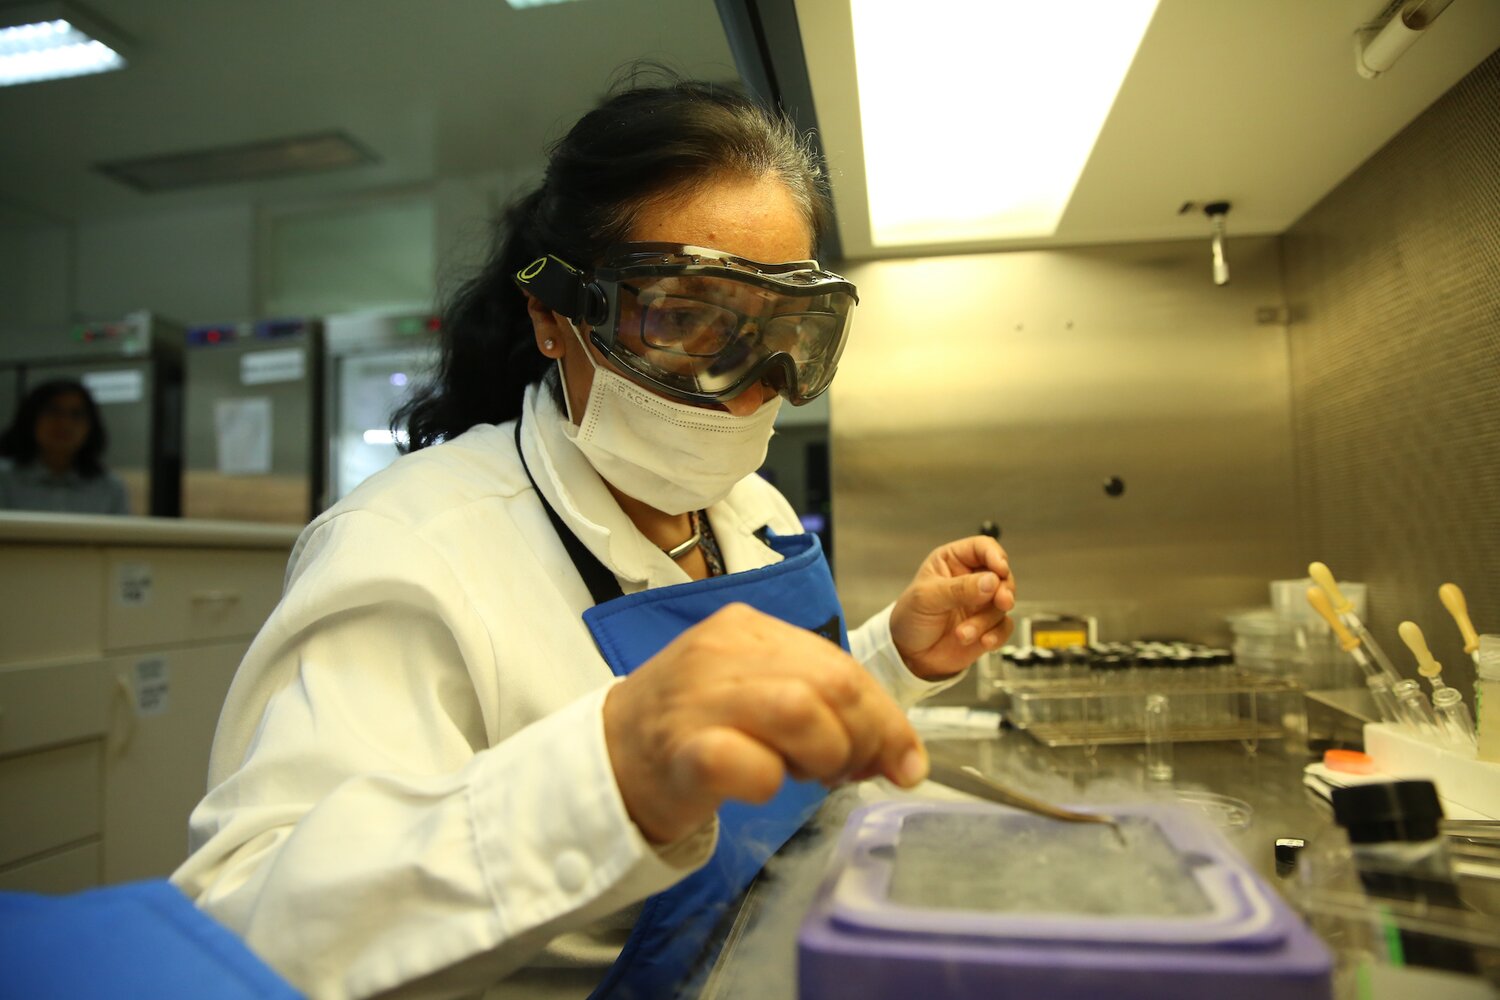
1137, 691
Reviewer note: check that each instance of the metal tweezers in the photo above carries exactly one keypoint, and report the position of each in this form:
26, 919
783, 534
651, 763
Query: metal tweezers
963, 778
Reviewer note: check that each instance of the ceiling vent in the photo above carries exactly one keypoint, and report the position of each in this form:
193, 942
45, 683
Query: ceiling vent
306, 154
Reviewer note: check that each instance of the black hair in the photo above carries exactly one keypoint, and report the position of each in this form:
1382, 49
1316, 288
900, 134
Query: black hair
18, 442
639, 143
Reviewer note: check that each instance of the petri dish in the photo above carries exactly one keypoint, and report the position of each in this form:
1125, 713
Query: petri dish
1227, 813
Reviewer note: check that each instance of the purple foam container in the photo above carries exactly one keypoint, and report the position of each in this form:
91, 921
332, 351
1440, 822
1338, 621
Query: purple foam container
856, 941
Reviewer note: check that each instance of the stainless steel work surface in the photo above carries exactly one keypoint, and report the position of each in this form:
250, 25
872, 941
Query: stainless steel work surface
759, 954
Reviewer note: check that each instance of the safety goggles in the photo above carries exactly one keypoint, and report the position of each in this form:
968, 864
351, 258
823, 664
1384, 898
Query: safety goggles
702, 326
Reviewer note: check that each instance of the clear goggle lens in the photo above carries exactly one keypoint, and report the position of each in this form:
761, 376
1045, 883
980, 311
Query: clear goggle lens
707, 335
701, 325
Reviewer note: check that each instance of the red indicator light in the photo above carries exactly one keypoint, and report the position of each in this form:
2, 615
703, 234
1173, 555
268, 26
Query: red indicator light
213, 337
434, 324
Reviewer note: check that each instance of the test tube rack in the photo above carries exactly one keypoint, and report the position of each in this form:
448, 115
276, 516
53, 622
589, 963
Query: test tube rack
1070, 702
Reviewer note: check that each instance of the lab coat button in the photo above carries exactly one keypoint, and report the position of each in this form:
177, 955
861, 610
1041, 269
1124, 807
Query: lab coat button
572, 870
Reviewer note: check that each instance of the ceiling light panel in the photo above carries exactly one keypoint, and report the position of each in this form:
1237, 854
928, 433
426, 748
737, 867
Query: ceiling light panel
52, 41
289, 157
977, 118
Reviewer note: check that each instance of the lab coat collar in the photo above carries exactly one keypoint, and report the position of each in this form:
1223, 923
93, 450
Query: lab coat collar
578, 494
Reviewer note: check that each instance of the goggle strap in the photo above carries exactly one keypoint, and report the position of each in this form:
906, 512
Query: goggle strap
559, 285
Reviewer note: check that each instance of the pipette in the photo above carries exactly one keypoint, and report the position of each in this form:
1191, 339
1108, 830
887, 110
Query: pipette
1375, 679
1452, 719
1453, 600
1323, 577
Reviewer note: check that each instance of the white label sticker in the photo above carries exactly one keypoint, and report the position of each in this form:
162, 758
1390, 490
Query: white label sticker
134, 590
152, 687
125, 385
263, 367
242, 430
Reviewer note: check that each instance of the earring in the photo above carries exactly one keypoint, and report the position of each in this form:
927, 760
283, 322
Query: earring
548, 344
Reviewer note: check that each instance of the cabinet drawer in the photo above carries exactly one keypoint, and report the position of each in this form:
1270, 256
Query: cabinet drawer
72, 870
49, 799
158, 597
52, 704
51, 602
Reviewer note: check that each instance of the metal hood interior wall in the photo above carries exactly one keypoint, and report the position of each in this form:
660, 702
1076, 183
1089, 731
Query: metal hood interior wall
1393, 281
1011, 386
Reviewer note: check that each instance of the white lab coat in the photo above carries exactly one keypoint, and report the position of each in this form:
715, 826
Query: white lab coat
409, 783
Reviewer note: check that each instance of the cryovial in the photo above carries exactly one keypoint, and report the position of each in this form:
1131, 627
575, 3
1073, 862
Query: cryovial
1158, 724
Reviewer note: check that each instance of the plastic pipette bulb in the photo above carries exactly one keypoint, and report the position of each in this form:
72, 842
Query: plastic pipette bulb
1318, 598
1411, 634
1375, 679
1323, 577
1453, 600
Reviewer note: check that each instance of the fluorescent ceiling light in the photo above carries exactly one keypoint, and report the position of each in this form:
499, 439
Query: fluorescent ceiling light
287, 157
523, 4
51, 41
978, 118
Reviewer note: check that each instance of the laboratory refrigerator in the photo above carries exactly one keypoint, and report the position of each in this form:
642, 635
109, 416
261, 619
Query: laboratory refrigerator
373, 362
133, 367
252, 425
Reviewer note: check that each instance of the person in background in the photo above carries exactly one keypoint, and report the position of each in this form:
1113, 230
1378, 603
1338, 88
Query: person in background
542, 696
52, 455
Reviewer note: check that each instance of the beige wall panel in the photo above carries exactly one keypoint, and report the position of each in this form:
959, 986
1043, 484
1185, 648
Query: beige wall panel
1011, 386
268, 499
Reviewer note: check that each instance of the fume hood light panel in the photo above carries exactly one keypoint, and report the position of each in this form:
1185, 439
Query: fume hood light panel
88, 333
208, 336
274, 329
412, 326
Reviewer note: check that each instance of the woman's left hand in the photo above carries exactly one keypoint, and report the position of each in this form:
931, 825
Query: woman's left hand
955, 607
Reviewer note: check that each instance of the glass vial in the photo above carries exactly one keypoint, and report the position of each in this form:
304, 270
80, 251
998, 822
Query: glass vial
1385, 699
1453, 718
1415, 708
1158, 737
1487, 697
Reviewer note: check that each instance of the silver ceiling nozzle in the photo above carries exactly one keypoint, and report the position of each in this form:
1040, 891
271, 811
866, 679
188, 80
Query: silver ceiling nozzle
1216, 211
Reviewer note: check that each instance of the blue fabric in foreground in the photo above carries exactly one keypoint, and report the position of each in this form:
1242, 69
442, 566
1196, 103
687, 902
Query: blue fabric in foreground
138, 941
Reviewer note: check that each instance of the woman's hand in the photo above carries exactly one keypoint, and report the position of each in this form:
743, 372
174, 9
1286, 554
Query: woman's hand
955, 608
736, 703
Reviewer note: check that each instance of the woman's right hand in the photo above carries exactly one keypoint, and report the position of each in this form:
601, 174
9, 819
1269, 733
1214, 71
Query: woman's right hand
736, 703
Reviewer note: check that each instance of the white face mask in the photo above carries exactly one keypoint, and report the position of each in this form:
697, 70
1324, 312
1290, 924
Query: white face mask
670, 455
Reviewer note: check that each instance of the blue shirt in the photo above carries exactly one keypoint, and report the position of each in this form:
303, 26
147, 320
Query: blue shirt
33, 486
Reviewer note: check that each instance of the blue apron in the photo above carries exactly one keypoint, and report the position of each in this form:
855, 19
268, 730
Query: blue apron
674, 926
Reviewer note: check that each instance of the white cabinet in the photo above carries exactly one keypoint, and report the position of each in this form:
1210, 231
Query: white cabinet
156, 761
118, 641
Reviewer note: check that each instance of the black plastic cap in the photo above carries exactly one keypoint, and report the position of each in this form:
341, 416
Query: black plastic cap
1395, 810
1286, 849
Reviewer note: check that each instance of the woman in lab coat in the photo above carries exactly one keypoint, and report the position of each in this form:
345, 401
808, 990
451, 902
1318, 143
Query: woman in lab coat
52, 455
541, 697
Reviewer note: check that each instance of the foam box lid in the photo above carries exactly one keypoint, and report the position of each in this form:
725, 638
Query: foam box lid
1223, 901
